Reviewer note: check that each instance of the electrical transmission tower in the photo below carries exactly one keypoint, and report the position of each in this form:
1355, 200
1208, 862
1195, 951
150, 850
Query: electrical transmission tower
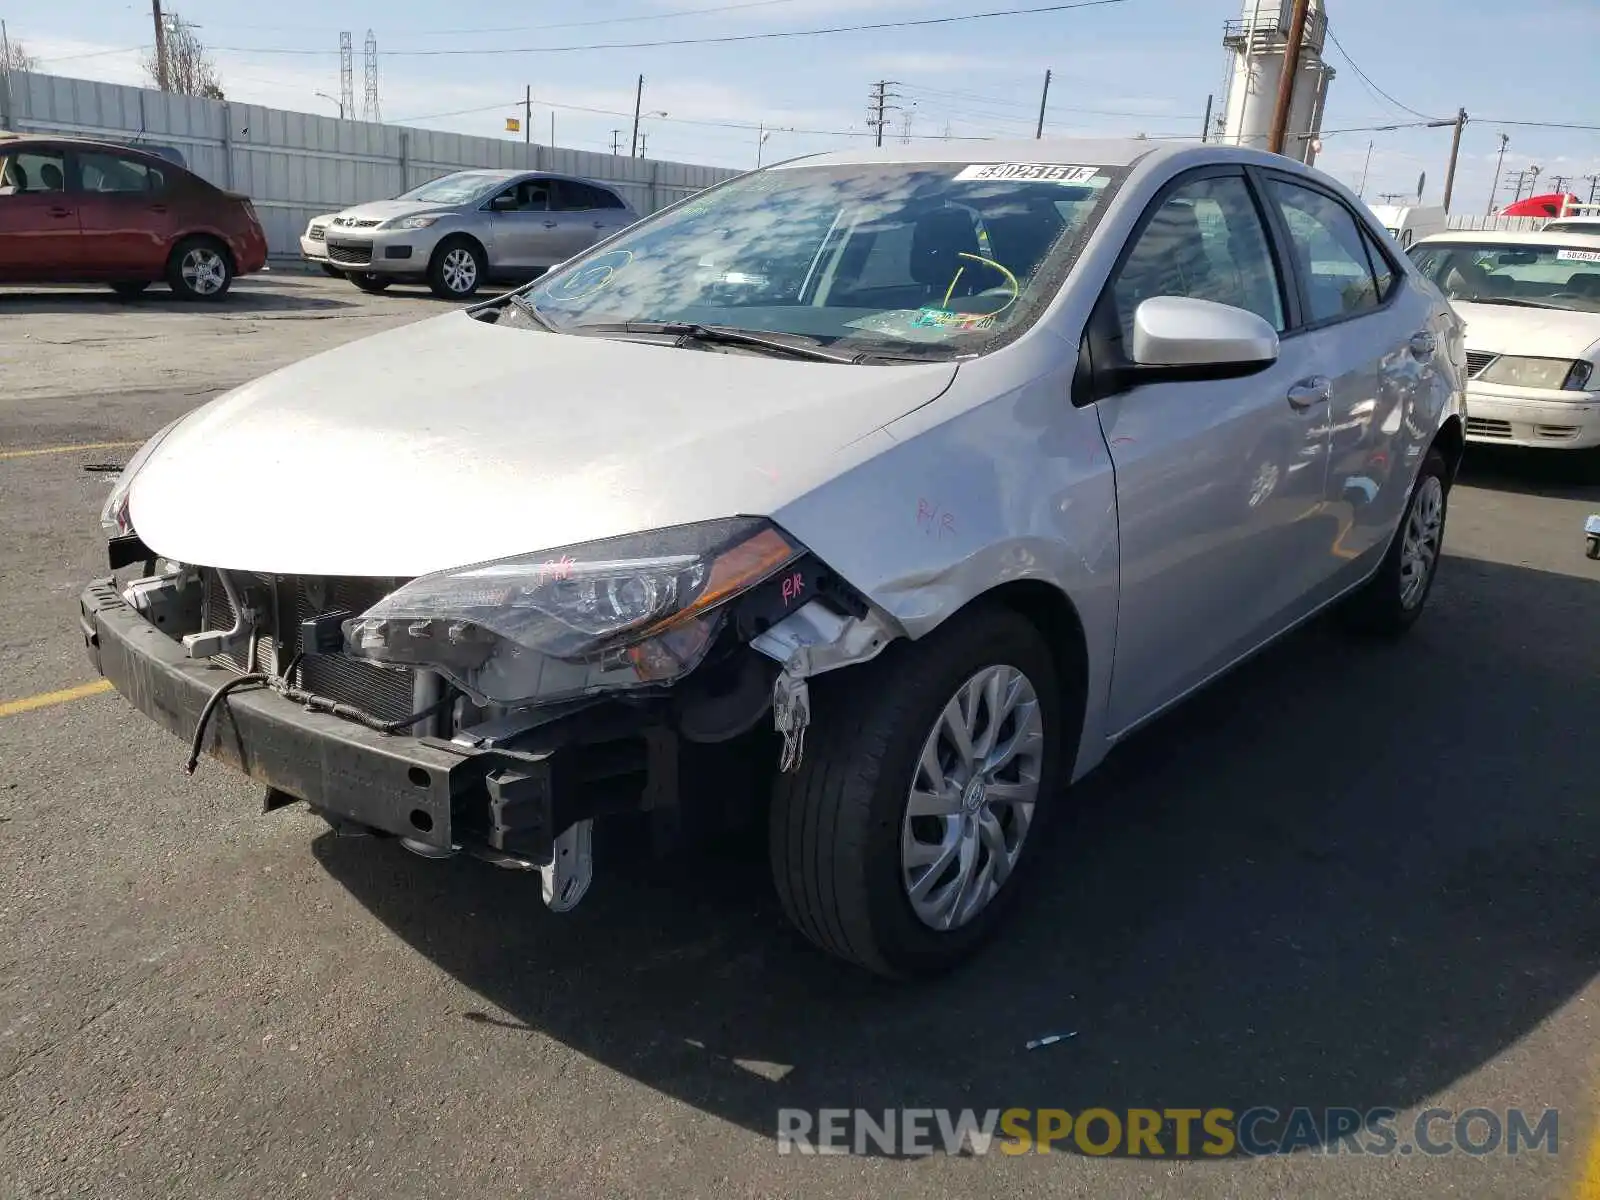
878, 106
369, 103
347, 76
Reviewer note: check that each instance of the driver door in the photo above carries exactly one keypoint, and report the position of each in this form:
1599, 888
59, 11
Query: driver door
1219, 482
521, 225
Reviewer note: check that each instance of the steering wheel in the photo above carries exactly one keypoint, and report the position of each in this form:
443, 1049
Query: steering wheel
1009, 289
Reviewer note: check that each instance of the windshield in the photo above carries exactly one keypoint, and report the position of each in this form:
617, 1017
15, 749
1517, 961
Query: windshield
929, 259
461, 188
1539, 276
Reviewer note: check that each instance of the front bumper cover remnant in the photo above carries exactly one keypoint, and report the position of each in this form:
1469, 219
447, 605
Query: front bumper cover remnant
512, 800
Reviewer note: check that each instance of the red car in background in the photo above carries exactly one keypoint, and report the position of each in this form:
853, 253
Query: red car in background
79, 211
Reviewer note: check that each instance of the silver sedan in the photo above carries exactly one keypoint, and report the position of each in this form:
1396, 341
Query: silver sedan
459, 230
876, 495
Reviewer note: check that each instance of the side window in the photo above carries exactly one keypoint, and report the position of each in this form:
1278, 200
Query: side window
110, 173
606, 199
31, 172
575, 197
531, 195
1382, 269
1206, 241
1329, 249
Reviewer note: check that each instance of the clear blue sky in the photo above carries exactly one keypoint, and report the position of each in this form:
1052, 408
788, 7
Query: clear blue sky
1135, 66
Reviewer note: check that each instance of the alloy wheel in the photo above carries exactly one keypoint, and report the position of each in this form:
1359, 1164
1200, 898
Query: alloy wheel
204, 271
460, 269
972, 797
1419, 547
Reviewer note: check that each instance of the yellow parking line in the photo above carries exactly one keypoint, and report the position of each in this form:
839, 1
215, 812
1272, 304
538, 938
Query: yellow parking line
1589, 1181
45, 699
69, 449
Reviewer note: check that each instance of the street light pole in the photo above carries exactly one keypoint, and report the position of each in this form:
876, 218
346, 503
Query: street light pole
1361, 192
1455, 153
638, 96
327, 97
1291, 68
1499, 160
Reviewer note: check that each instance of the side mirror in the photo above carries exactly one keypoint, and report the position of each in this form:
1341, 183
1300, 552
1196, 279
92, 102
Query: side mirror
1186, 338
504, 202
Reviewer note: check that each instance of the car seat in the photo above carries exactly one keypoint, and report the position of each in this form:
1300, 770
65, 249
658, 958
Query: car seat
50, 177
938, 240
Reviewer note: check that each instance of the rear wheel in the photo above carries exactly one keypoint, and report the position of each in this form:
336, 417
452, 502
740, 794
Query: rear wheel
200, 269
1392, 600
369, 283
130, 290
897, 844
456, 269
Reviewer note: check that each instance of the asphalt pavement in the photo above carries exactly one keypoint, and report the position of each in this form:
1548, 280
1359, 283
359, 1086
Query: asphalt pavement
1352, 874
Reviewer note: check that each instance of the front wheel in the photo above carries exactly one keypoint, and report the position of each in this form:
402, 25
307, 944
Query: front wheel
200, 269
456, 269
1392, 600
898, 842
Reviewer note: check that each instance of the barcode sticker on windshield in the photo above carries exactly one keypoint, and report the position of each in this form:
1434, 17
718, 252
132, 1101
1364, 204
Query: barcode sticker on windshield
1042, 172
1578, 255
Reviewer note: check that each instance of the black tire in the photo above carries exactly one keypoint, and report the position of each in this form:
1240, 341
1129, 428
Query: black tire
836, 822
331, 270
130, 291
447, 274
1380, 605
1592, 548
369, 283
200, 269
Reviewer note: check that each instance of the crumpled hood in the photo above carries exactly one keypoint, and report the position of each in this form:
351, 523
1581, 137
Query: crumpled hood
384, 210
1533, 332
453, 441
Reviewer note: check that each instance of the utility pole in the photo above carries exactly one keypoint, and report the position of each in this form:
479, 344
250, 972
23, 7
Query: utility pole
1043, 97
1205, 126
1522, 176
1594, 182
642, 137
1499, 160
1455, 153
1291, 68
527, 114
878, 104
1559, 183
552, 129
161, 45
638, 96
616, 141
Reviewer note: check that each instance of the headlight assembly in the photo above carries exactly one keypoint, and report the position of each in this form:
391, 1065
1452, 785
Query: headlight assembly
411, 222
621, 613
114, 516
1514, 371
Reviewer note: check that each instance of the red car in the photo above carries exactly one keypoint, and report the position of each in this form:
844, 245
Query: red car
78, 211
1549, 205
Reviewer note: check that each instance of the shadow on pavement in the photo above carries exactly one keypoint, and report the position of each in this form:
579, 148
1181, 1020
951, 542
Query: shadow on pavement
1558, 474
1348, 875
252, 294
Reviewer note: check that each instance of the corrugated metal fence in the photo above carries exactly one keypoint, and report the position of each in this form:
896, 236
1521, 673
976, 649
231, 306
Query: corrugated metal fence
296, 165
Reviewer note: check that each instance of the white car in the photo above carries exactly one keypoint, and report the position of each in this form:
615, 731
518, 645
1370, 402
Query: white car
1531, 303
314, 246
876, 495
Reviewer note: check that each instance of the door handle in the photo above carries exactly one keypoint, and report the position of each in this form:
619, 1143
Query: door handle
57, 211
158, 208
599, 224
549, 224
1307, 392
1423, 344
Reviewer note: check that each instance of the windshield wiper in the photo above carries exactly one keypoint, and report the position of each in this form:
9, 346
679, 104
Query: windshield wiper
530, 310
1520, 303
794, 344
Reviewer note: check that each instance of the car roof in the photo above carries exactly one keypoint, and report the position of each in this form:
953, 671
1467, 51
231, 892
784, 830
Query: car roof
509, 173
1512, 237
1103, 152
52, 139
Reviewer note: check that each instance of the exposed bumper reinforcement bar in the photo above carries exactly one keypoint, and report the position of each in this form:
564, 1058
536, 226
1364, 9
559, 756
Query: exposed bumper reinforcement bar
423, 789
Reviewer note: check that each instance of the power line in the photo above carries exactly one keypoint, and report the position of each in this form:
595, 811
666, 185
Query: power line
1365, 78
707, 41
662, 16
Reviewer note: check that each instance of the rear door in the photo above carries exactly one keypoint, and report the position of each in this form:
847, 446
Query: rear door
1369, 337
579, 219
39, 239
1219, 482
124, 212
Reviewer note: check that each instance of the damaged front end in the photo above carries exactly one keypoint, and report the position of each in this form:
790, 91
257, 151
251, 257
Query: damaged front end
497, 709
